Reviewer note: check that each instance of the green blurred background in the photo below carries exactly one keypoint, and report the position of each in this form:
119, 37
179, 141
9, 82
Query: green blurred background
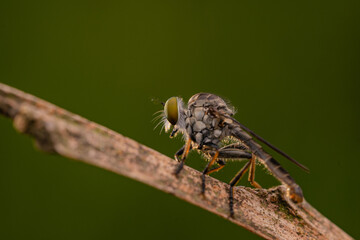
290, 68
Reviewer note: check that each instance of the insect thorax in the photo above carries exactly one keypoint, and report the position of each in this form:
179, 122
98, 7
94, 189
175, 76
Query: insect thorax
203, 125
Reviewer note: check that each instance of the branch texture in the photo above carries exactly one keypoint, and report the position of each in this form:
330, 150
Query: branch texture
267, 213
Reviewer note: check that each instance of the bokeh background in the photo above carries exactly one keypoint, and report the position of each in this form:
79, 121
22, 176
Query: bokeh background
290, 68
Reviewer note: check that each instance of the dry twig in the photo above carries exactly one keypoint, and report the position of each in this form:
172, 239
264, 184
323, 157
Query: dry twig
265, 212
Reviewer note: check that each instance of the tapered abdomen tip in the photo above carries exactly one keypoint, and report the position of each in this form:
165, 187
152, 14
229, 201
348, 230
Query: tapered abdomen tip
295, 194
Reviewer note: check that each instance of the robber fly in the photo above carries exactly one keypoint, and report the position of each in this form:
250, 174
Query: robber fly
207, 125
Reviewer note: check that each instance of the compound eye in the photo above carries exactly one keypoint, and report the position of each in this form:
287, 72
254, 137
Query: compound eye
171, 110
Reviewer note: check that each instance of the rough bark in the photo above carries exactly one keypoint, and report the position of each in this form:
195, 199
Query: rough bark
267, 213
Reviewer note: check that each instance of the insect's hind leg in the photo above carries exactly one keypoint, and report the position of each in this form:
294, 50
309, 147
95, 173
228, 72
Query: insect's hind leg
252, 172
234, 151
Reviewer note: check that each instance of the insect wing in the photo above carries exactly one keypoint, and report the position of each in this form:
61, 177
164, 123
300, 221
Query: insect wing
271, 146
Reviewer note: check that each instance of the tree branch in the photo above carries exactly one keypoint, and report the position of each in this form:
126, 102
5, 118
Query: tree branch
267, 213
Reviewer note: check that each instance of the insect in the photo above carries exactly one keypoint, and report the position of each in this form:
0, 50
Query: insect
207, 125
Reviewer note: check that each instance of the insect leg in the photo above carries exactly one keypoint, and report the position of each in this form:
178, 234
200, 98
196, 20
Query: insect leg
252, 172
184, 151
216, 169
227, 152
233, 153
206, 170
179, 153
233, 182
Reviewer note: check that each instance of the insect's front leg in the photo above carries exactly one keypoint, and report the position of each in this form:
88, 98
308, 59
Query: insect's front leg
173, 134
179, 153
184, 151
